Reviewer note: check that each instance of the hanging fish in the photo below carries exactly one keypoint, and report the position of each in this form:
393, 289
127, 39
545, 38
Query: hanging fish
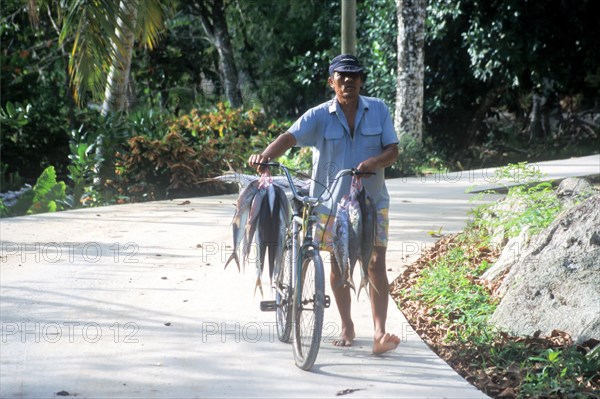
369, 217
262, 217
270, 228
284, 216
267, 233
252, 222
355, 231
240, 218
341, 231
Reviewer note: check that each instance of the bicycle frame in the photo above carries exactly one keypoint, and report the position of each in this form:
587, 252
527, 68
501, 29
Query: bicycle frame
307, 220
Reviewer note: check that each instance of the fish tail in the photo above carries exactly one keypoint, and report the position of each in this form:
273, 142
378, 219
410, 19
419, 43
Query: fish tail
350, 283
259, 286
233, 256
364, 283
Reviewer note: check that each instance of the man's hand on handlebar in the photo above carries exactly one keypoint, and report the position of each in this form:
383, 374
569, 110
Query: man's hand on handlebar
368, 167
256, 160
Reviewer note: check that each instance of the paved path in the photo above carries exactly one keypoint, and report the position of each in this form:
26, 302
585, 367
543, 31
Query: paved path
132, 301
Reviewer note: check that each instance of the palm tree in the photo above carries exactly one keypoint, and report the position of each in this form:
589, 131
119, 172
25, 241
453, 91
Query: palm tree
103, 34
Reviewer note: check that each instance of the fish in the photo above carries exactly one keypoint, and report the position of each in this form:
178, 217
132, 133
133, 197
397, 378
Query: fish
355, 232
271, 229
268, 231
262, 218
369, 225
239, 219
284, 222
252, 222
341, 230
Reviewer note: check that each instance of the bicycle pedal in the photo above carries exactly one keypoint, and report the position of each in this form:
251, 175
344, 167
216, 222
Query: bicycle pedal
327, 301
268, 306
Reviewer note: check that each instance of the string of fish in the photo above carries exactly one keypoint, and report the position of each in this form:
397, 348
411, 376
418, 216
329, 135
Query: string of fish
354, 235
260, 221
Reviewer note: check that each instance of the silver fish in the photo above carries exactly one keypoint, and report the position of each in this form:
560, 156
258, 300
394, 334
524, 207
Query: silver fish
252, 222
355, 233
268, 231
369, 216
273, 219
259, 263
341, 230
239, 219
284, 221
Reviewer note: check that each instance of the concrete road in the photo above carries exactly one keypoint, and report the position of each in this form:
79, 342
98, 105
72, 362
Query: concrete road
132, 301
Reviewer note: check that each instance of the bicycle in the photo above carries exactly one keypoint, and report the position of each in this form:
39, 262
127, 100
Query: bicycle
299, 287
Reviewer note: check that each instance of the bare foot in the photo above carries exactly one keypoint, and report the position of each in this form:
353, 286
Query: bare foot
385, 343
345, 338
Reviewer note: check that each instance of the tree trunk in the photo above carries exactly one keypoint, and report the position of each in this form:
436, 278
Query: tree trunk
408, 118
539, 120
115, 95
215, 26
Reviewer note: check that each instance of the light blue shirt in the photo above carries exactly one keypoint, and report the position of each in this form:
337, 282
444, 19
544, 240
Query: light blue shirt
325, 129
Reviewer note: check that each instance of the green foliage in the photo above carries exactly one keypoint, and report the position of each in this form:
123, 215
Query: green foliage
9, 180
14, 116
82, 169
198, 145
48, 195
377, 47
32, 71
450, 290
298, 159
487, 59
559, 373
417, 159
537, 207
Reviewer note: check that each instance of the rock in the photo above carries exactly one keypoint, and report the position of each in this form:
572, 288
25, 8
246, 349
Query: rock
556, 282
573, 190
510, 255
574, 187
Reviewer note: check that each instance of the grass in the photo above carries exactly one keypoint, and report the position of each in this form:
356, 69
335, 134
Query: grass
449, 306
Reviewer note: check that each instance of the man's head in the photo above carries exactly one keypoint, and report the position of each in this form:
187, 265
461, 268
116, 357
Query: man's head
345, 77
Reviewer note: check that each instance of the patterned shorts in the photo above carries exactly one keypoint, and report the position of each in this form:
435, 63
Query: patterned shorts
325, 236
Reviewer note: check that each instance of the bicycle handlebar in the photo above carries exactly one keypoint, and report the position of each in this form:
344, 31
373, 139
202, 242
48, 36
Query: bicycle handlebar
330, 190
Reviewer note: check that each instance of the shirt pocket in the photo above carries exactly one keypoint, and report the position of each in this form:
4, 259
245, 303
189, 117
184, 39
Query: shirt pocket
334, 132
372, 140
333, 144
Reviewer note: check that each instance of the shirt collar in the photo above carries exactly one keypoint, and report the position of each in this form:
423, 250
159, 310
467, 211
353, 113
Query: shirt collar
362, 103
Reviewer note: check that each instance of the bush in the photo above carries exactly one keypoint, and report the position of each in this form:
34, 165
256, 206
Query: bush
48, 195
197, 146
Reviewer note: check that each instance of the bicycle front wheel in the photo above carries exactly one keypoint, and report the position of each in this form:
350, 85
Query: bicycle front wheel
283, 295
309, 304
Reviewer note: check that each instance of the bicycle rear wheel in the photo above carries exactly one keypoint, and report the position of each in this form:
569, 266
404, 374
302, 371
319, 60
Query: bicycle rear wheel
309, 304
283, 295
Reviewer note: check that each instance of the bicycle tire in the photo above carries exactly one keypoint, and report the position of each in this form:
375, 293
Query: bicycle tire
283, 295
308, 308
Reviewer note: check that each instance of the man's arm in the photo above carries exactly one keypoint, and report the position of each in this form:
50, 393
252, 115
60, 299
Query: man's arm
274, 150
388, 157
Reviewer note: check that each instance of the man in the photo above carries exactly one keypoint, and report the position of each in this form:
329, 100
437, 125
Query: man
349, 131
